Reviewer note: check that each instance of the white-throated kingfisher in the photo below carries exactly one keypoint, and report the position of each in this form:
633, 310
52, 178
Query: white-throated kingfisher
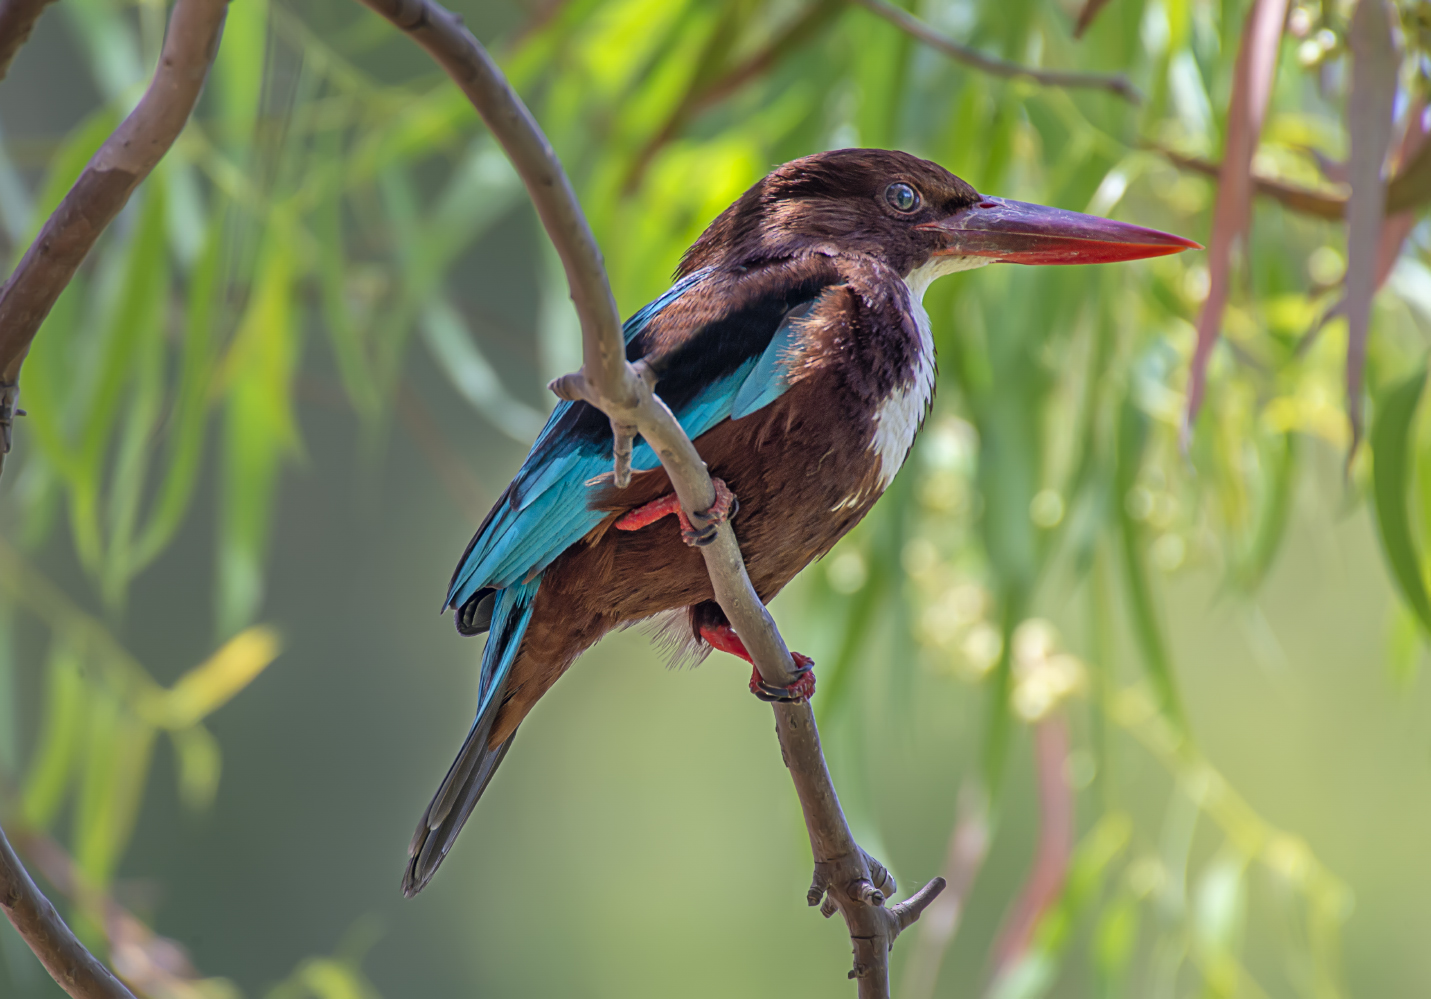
795, 351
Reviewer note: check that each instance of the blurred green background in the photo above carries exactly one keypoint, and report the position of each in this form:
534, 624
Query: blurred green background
267, 416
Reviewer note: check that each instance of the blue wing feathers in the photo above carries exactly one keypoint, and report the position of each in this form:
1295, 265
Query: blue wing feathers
510, 616
546, 510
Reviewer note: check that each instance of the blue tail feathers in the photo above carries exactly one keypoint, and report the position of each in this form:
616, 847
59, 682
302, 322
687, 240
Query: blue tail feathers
476, 762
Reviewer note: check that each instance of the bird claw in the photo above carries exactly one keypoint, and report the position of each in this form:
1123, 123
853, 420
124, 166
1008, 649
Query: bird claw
724, 507
802, 688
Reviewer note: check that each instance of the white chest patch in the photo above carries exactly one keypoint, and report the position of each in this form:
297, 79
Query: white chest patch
900, 415
903, 410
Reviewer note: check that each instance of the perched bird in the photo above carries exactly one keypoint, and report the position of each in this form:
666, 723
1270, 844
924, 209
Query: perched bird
795, 351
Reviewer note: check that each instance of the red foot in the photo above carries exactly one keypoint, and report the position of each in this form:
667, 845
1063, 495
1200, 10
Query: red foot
802, 688
724, 507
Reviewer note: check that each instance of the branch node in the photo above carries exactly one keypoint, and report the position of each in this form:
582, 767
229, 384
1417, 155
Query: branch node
879, 875
864, 892
829, 908
570, 387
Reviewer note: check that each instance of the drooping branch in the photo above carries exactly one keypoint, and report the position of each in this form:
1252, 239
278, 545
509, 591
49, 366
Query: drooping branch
17, 20
76, 970
1114, 83
844, 874
104, 187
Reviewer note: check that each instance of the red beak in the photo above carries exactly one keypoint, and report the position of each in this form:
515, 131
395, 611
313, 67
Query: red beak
1020, 233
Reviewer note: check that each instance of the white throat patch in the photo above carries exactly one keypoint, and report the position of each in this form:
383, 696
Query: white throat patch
900, 415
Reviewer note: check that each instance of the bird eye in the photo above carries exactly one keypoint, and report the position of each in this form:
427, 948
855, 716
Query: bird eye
901, 197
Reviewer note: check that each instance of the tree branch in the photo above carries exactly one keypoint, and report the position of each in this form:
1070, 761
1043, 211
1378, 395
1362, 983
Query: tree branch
104, 187
17, 20
76, 970
844, 874
1114, 83
1301, 199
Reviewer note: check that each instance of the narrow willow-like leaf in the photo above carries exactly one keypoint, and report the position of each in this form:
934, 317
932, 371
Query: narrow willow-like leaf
1278, 489
210, 685
259, 430
134, 450
61, 738
116, 771
188, 419
1115, 941
1391, 478
200, 762
1142, 604
136, 319
238, 72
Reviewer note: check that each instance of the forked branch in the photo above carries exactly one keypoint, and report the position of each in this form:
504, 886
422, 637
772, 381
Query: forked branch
846, 879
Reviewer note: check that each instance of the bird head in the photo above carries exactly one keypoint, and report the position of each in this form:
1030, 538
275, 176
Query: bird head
913, 215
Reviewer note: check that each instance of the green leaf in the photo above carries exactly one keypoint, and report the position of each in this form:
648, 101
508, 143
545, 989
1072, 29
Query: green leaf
188, 419
136, 324
61, 738
238, 72
1391, 477
1115, 939
1147, 630
259, 429
115, 771
200, 762
1276, 508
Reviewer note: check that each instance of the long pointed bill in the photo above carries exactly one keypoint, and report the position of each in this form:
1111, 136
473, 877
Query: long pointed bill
1020, 233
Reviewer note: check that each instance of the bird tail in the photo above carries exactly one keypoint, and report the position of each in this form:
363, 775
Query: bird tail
476, 762
470, 774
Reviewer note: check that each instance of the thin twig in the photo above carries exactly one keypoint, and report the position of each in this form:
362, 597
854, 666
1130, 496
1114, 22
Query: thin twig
844, 874
104, 187
76, 970
1300, 199
1114, 83
17, 20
